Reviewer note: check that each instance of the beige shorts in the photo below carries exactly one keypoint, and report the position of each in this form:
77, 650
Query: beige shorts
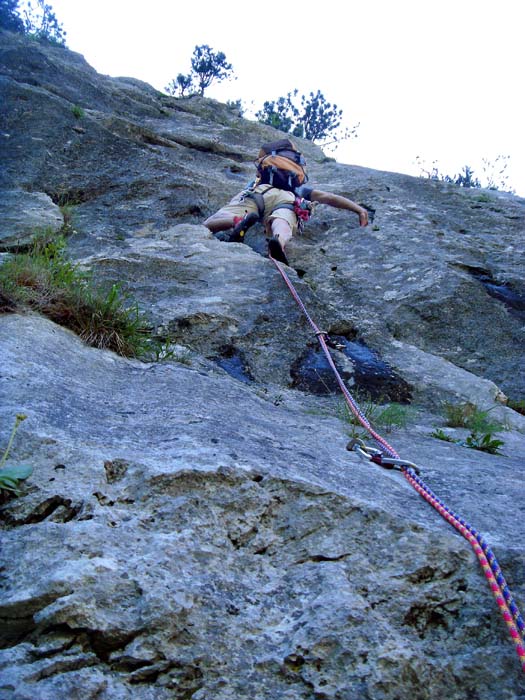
273, 197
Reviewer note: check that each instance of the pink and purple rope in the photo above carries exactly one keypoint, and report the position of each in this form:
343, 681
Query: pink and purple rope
486, 558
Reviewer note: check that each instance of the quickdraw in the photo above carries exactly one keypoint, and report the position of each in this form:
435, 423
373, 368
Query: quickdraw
388, 458
376, 456
303, 210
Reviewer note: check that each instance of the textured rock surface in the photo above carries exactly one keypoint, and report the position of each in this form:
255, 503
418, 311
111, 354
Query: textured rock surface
196, 528
185, 549
23, 213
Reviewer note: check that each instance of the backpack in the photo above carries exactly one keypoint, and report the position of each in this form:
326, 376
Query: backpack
281, 165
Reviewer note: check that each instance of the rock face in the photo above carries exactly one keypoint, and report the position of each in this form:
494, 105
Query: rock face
23, 213
195, 528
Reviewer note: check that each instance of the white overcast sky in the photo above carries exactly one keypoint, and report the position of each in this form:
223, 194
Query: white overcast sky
439, 80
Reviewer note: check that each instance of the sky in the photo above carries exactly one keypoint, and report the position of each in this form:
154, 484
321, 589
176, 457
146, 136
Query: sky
429, 83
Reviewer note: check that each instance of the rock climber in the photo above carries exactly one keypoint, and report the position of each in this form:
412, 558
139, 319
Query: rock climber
279, 198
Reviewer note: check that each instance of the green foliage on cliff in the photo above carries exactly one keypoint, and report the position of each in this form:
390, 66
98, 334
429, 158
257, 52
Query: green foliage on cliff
9, 16
495, 176
207, 67
12, 475
309, 117
468, 415
44, 279
36, 19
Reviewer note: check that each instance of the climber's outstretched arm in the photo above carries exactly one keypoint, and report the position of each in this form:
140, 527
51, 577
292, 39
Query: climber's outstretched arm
335, 200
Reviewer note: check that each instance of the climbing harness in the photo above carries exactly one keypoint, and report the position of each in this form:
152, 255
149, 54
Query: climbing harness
388, 458
301, 207
258, 198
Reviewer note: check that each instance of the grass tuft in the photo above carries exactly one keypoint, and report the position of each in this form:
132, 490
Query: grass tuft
517, 405
468, 415
43, 278
385, 417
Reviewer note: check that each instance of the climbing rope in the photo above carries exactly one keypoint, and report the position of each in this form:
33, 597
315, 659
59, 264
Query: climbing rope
321, 337
387, 457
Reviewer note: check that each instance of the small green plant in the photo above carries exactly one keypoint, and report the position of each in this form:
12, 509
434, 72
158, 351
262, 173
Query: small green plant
181, 85
236, 106
355, 429
65, 196
517, 405
77, 111
278, 399
394, 415
11, 476
456, 415
387, 417
476, 441
163, 350
484, 443
67, 211
44, 279
468, 415
441, 435
484, 198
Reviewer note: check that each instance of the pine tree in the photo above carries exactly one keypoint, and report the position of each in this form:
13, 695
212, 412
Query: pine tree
9, 17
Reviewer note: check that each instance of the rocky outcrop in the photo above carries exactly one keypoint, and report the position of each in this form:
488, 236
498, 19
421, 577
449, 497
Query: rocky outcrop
23, 214
187, 537
194, 527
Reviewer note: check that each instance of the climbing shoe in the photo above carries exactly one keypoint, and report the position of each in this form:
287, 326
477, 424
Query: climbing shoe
276, 252
241, 226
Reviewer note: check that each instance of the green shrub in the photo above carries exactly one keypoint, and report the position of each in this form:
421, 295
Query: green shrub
77, 111
441, 435
310, 117
386, 417
494, 171
394, 415
468, 415
67, 211
485, 443
41, 23
9, 16
207, 67
517, 405
44, 279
